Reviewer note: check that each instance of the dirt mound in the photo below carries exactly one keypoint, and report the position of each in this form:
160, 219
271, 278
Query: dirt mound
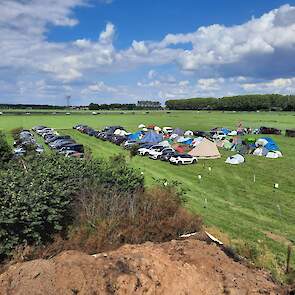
176, 267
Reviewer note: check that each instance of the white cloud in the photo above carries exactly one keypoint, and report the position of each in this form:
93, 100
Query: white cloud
221, 60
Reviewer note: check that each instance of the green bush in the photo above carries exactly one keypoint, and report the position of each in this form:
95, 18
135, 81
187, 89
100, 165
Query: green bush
36, 195
5, 151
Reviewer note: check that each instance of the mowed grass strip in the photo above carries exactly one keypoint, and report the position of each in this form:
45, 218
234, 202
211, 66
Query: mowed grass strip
227, 197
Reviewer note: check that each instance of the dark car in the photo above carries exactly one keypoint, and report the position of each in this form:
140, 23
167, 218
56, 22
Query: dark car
117, 139
73, 147
62, 143
35, 128
54, 138
269, 130
167, 155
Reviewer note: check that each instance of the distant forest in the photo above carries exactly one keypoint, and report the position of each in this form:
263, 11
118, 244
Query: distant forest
31, 107
275, 102
253, 102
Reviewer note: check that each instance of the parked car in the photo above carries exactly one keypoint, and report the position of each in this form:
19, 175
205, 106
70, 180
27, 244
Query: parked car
144, 151
35, 128
183, 159
19, 151
44, 130
129, 143
56, 137
116, 139
155, 154
167, 155
72, 147
39, 149
74, 154
61, 143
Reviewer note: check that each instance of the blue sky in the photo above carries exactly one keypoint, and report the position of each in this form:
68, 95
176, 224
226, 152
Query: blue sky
108, 51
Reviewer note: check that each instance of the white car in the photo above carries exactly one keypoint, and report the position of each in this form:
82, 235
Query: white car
183, 160
44, 130
144, 151
156, 153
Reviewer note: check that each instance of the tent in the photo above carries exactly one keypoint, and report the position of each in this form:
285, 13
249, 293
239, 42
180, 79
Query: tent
188, 141
235, 160
178, 131
206, 149
197, 140
225, 131
167, 129
120, 132
152, 137
232, 133
274, 154
188, 133
135, 136
271, 144
141, 126
165, 143
260, 151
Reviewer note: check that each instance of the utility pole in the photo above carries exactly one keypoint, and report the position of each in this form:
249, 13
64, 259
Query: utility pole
68, 99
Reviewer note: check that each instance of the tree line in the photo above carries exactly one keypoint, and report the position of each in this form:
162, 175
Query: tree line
125, 106
31, 106
253, 102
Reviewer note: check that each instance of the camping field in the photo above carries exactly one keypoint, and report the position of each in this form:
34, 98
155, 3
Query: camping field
237, 203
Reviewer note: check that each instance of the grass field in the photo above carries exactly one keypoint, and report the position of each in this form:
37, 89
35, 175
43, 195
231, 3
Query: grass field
227, 197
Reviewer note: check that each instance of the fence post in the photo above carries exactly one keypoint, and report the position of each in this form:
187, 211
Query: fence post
288, 258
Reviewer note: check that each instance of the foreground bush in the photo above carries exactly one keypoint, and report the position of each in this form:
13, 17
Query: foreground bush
106, 219
37, 195
5, 151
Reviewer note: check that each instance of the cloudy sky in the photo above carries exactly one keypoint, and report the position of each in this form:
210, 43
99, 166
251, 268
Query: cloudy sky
108, 51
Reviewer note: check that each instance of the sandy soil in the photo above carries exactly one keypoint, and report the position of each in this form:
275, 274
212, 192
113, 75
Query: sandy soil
176, 267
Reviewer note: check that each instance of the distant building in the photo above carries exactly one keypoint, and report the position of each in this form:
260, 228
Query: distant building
149, 104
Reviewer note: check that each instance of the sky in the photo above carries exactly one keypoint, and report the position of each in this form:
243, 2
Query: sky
122, 51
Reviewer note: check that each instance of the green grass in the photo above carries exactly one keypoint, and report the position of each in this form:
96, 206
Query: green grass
236, 205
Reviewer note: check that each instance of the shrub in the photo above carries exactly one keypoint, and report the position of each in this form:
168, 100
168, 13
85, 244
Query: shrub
5, 151
106, 219
36, 195
15, 133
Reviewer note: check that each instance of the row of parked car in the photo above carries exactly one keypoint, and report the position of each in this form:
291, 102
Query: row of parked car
63, 144
26, 142
119, 136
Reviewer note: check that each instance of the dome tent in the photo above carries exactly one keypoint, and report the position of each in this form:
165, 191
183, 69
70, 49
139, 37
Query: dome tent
260, 151
206, 149
178, 131
235, 160
152, 137
135, 136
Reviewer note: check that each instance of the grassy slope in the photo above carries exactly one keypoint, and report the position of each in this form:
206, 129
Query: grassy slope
235, 204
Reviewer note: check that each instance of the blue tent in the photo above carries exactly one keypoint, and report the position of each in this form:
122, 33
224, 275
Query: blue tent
225, 131
135, 136
188, 141
271, 144
152, 137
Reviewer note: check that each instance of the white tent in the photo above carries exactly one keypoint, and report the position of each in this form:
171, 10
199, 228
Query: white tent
274, 154
233, 133
235, 160
165, 143
260, 151
167, 129
141, 126
188, 133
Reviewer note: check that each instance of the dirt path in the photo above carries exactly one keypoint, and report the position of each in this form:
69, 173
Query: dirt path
177, 267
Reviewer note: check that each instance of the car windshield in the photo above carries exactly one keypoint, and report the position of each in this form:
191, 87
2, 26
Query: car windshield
185, 156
